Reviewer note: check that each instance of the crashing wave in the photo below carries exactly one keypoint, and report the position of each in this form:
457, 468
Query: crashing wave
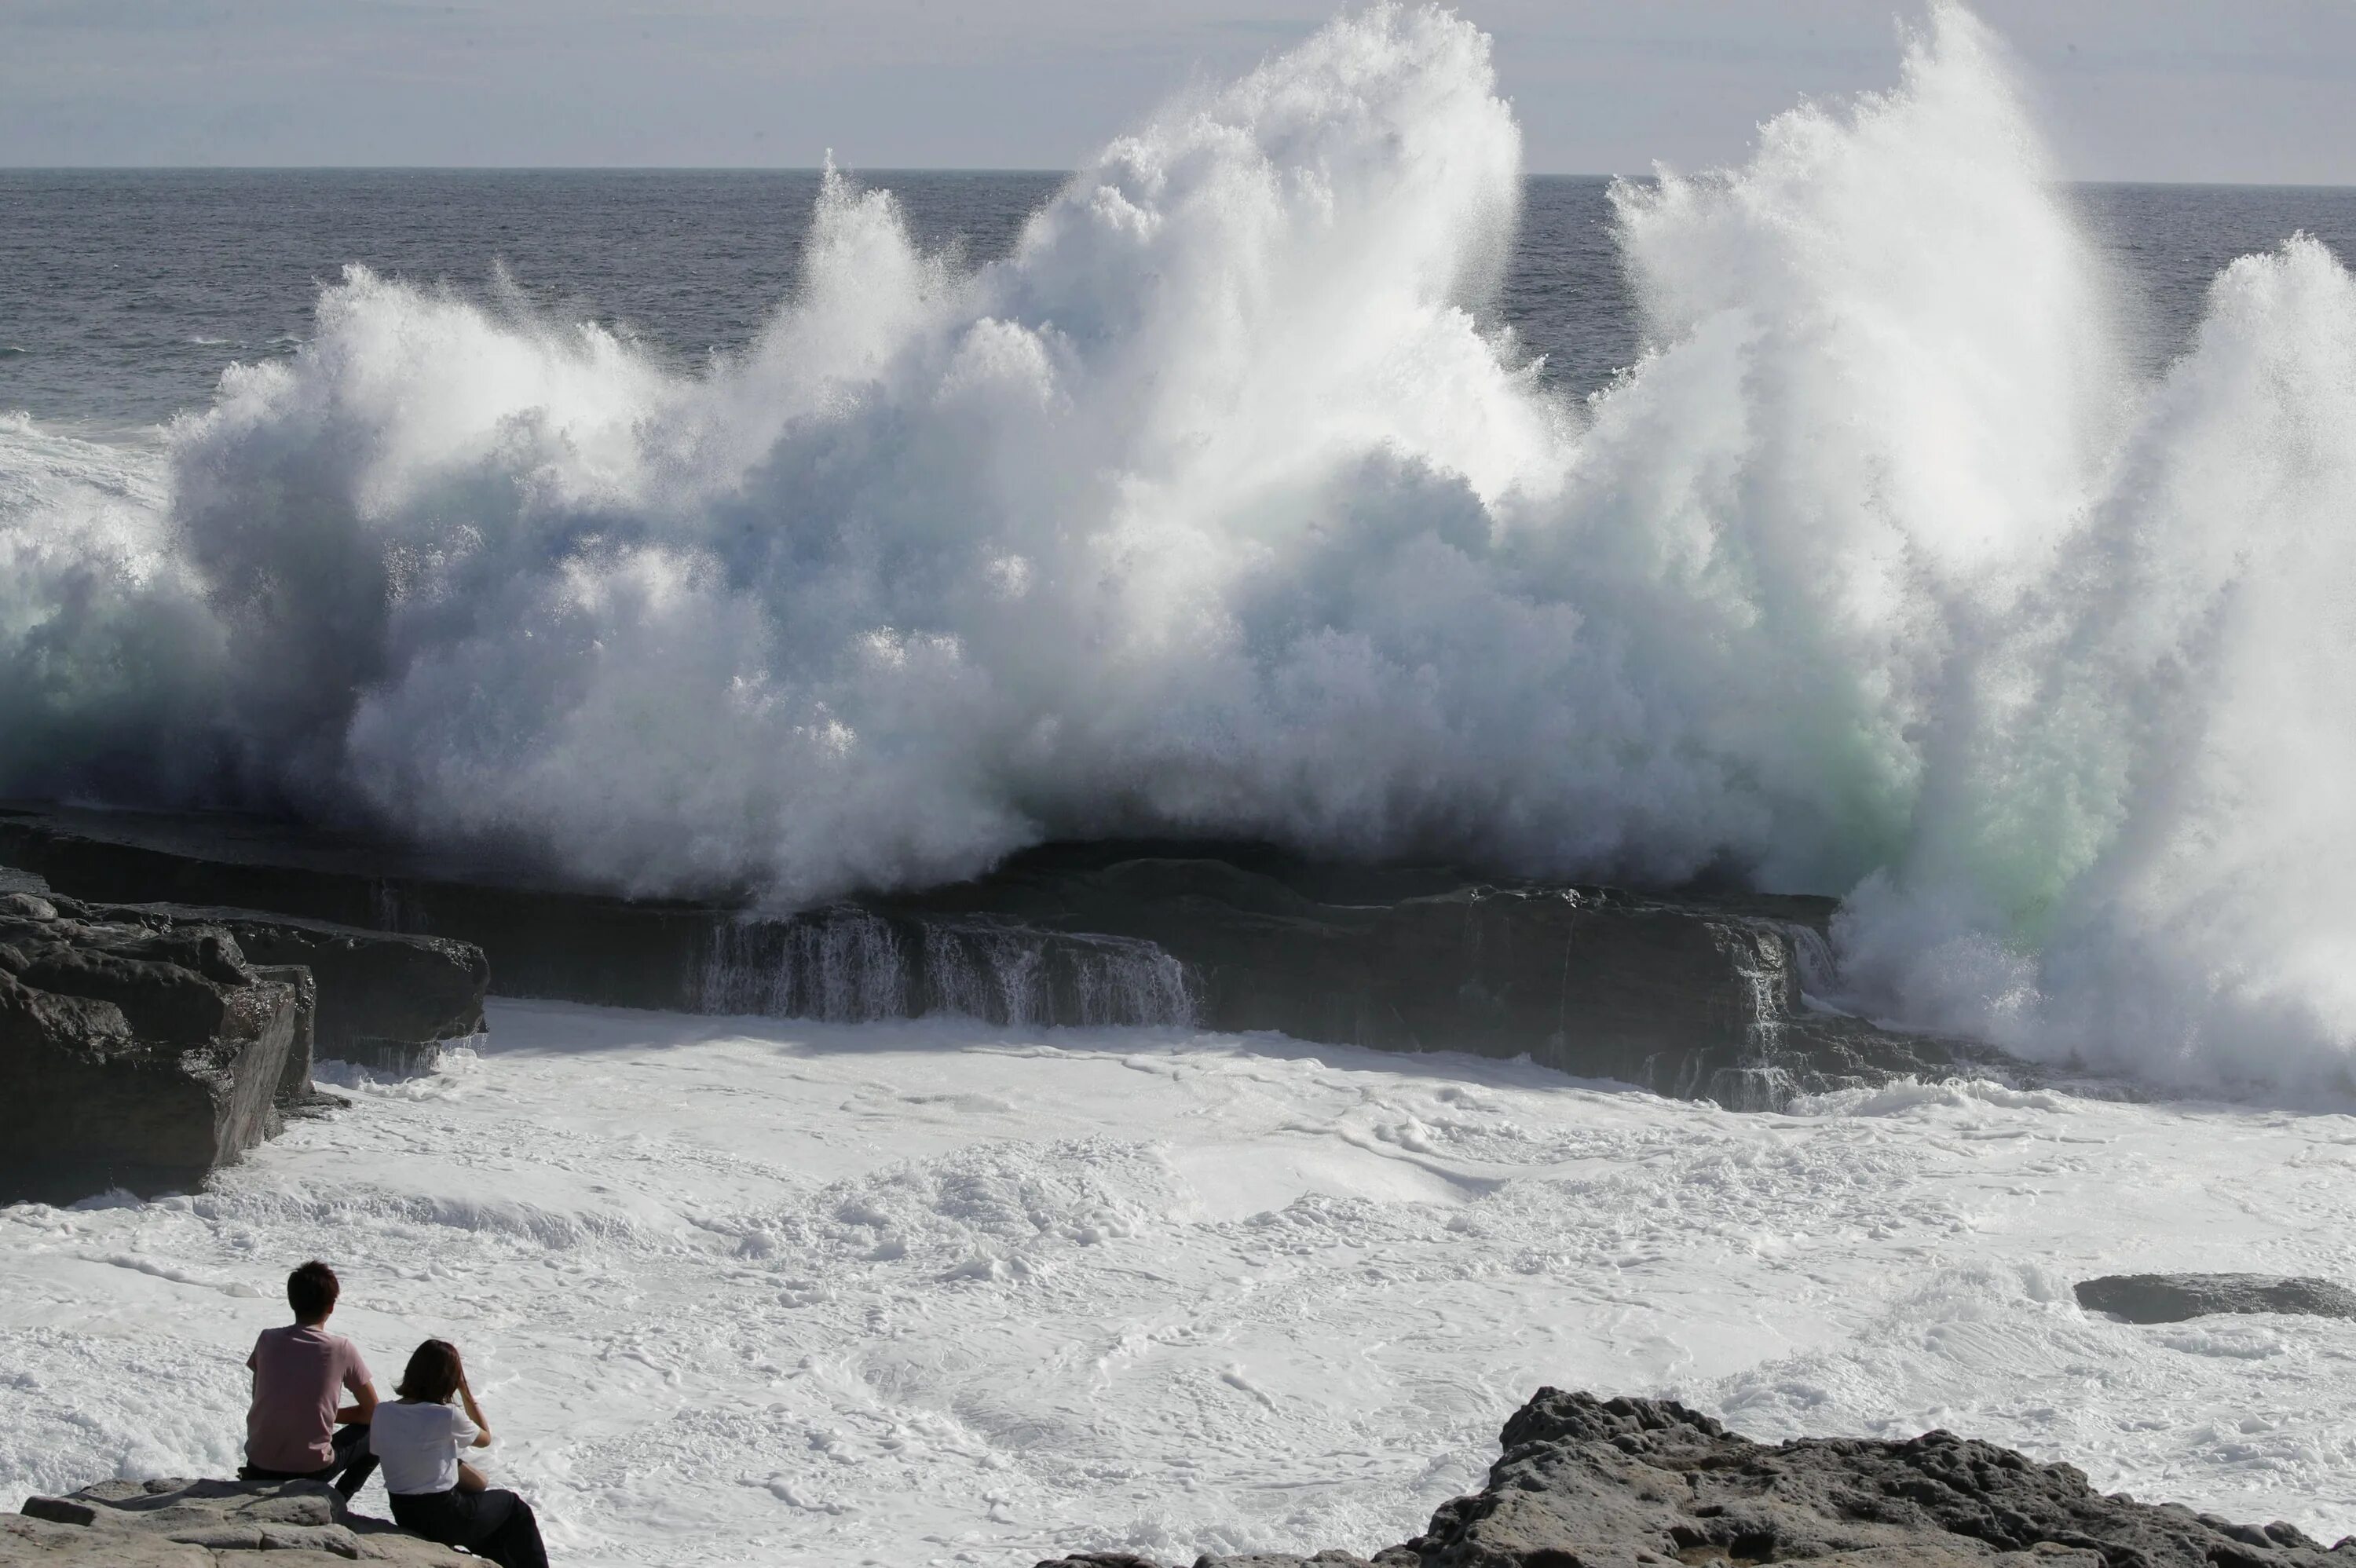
1220, 507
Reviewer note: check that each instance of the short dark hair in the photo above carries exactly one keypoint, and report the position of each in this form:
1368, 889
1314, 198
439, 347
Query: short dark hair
433, 1373
311, 1291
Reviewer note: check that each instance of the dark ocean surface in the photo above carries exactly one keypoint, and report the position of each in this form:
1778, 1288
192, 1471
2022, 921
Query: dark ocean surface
124, 293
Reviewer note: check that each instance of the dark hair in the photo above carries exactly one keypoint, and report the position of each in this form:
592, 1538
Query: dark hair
432, 1374
311, 1291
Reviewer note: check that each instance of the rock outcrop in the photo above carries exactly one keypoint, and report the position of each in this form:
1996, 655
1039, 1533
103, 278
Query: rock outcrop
1586, 1482
1697, 995
207, 1524
388, 1001
133, 1057
2173, 1297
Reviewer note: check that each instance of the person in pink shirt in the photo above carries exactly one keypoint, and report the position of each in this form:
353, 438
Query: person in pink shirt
298, 1428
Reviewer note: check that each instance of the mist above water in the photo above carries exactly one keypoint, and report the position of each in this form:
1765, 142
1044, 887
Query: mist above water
1221, 505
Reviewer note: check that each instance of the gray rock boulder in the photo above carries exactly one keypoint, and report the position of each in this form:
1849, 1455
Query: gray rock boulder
1585, 1482
207, 1524
387, 1000
133, 1057
2174, 1297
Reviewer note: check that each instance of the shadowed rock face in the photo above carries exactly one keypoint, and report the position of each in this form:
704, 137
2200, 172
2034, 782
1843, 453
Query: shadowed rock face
1692, 996
386, 1000
133, 1057
1585, 1482
2173, 1297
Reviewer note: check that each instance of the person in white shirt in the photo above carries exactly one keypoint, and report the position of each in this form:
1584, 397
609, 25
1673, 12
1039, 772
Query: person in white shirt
417, 1437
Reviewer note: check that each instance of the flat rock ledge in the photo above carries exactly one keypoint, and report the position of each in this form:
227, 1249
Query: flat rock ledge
207, 1524
1585, 1482
2174, 1297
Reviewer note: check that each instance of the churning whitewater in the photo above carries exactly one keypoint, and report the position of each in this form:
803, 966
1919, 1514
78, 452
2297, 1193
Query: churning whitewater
1223, 505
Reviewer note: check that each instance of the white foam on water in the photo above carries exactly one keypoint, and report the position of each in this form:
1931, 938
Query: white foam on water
1218, 507
741, 1290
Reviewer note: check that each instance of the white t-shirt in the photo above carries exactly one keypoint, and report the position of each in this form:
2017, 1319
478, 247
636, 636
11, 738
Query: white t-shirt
419, 1444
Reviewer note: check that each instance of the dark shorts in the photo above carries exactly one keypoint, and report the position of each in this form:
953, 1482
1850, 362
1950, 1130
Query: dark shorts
348, 1473
495, 1524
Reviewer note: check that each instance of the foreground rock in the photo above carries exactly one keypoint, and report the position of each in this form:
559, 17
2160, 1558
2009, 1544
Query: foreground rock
1690, 995
135, 1056
1585, 1482
2174, 1297
201, 1524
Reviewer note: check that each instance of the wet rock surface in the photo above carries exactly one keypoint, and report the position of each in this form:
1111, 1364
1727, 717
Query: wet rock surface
2174, 1297
207, 1524
1692, 995
1585, 1482
133, 1057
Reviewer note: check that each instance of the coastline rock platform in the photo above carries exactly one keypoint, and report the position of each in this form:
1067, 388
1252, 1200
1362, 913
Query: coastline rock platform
1586, 1482
1696, 994
207, 1524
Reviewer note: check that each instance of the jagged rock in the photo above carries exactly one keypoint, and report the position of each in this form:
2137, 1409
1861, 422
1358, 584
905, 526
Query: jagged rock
387, 1000
1585, 1482
132, 1057
2173, 1297
209, 1524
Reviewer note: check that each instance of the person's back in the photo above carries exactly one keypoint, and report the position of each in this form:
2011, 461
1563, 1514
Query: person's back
300, 1373
418, 1446
419, 1436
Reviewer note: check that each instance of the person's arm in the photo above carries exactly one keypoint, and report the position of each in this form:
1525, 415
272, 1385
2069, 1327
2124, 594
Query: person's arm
362, 1408
470, 1479
473, 1413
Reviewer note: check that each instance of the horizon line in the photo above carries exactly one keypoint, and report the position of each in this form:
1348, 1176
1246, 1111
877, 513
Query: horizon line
862, 171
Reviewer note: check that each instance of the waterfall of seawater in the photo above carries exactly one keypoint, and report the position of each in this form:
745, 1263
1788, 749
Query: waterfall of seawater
849, 966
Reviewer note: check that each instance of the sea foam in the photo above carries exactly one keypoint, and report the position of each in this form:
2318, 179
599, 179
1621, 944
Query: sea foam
1222, 505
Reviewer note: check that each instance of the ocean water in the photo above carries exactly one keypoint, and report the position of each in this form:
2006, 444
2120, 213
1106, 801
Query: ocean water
127, 293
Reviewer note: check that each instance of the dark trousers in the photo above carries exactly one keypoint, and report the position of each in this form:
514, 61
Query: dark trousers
497, 1525
349, 1472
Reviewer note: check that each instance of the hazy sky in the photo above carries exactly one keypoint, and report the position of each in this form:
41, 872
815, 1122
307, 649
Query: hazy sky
2187, 89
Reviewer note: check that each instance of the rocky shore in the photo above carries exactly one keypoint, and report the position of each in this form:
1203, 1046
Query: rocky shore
1583, 1482
144, 1046
1695, 994
1587, 1482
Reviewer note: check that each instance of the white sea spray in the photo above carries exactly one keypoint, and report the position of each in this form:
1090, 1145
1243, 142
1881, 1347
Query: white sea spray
1218, 507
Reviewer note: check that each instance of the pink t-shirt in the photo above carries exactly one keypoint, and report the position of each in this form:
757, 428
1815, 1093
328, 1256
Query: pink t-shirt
299, 1373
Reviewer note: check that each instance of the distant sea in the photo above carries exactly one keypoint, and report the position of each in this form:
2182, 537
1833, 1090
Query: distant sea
124, 293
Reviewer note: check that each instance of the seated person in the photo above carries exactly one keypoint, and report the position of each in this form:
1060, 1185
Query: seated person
291, 1431
418, 1437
